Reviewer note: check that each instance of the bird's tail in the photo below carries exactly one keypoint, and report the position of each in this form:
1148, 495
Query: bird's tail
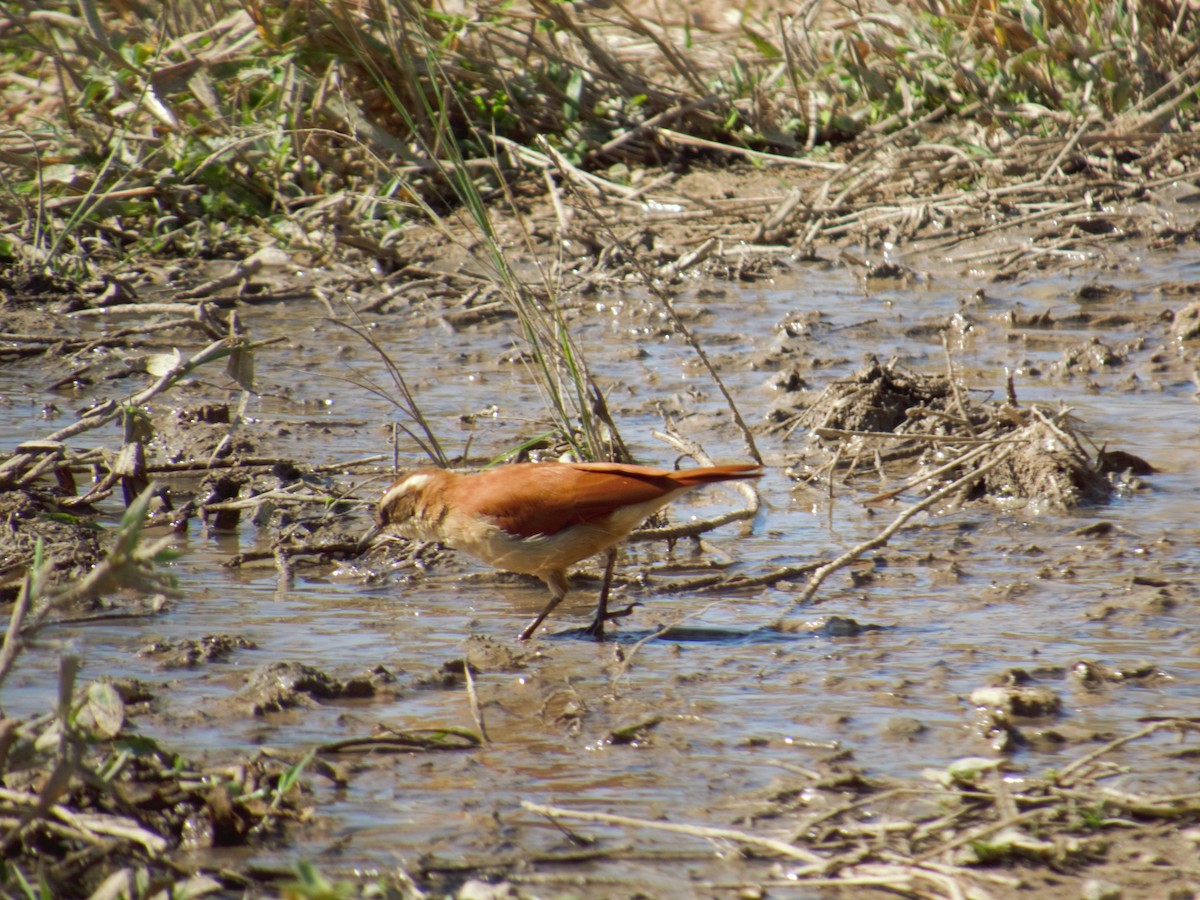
713, 474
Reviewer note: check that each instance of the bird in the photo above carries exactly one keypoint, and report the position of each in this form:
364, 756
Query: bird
540, 518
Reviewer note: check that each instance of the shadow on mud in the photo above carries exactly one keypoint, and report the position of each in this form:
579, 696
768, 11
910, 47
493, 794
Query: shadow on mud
732, 637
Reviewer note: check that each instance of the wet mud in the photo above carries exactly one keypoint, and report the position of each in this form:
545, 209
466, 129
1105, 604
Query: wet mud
1025, 639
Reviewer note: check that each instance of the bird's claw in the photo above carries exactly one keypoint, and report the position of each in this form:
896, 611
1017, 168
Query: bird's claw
621, 613
596, 629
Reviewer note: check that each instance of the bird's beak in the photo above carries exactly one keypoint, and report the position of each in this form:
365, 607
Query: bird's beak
365, 541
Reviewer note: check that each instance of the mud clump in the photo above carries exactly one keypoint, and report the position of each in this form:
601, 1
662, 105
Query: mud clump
876, 398
1098, 292
1047, 469
33, 288
1186, 324
187, 654
1088, 358
200, 432
1001, 709
288, 685
71, 544
1028, 457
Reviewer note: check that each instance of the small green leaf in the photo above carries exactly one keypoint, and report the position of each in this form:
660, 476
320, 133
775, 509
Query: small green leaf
289, 778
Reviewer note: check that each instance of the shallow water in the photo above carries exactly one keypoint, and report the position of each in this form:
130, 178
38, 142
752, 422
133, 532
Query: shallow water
736, 699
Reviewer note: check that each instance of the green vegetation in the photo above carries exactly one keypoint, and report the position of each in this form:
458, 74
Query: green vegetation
138, 133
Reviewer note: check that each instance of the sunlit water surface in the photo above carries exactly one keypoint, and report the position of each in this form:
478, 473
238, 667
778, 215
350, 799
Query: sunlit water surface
749, 698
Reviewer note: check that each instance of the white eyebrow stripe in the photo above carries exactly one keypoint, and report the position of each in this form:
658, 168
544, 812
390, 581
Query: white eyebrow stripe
412, 482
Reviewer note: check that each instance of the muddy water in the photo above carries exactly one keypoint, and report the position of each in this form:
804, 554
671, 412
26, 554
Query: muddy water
954, 602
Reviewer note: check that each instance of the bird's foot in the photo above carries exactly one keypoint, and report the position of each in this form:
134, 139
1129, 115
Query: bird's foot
596, 629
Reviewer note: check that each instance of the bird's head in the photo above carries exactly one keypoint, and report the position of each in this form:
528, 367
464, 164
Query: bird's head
410, 507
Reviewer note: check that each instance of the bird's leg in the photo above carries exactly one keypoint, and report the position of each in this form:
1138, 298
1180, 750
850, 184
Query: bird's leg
557, 582
596, 629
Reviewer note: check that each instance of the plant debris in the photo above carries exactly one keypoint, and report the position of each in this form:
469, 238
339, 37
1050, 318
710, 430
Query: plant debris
886, 419
556, 197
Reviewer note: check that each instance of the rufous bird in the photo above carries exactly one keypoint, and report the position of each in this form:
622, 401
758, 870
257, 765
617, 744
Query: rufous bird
539, 518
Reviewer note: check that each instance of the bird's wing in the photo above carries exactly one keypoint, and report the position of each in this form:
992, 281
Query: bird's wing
543, 499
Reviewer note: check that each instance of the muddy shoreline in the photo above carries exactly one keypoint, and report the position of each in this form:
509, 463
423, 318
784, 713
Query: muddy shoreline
1021, 652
